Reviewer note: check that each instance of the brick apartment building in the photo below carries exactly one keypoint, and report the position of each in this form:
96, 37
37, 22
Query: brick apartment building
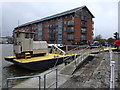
70, 27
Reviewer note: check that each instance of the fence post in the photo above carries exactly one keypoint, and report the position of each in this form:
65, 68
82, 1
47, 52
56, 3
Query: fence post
112, 81
75, 60
44, 82
39, 83
7, 84
112, 72
56, 78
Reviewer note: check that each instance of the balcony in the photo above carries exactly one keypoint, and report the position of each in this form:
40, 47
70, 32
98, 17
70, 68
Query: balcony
52, 26
70, 30
83, 31
70, 39
70, 23
83, 38
83, 25
52, 38
92, 33
52, 32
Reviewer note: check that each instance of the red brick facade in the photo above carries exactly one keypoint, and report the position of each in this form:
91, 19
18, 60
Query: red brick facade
71, 28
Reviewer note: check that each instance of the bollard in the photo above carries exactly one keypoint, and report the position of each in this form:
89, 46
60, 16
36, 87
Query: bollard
112, 75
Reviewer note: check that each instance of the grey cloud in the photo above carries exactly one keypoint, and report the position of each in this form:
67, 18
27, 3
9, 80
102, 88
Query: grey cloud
105, 13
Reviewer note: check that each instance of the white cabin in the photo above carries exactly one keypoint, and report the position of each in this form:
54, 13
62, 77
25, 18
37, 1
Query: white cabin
23, 43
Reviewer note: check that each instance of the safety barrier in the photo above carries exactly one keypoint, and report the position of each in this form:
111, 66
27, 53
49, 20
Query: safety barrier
75, 56
23, 77
39, 79
53, 83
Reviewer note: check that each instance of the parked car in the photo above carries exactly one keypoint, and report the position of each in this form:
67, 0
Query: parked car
106, 44
95, 44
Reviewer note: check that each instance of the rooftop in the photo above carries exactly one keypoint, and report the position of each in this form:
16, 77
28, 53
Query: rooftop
56, 15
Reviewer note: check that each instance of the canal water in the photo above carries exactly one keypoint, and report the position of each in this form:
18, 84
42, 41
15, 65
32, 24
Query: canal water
8, 69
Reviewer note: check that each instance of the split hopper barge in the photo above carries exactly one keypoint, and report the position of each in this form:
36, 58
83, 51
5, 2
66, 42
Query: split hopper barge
34, 55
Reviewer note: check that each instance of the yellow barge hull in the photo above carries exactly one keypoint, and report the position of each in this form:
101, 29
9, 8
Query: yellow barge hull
39, 63
47, 61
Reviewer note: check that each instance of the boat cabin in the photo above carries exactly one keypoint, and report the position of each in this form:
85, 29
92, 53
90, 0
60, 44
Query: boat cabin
25, 45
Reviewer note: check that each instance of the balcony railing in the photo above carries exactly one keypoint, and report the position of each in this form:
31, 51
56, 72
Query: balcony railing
70, 30
92, 33
83, 25
83, 31
52, 38
52, 26
70, 38
70, 23
84, 38
52, 32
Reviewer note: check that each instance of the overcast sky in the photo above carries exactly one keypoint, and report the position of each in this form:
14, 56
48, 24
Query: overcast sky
105, 12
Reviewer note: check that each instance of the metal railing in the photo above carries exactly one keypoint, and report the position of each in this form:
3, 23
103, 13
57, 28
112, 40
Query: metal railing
77, 48
77, 57
23, 77
39, 79
53, 83
80, 59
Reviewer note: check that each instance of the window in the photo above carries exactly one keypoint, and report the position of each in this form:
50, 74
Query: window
70, 22
71, 15
31, 35
84, 18
70, 29
92, 25
72, 18
47, 26
70, 37
56, 29
83, 37
66, 16
60, 31
56, 23
56, 19
17, 34
83, 29
64, 36
26, 35
64, 22
59, 42
64, 28
84, 24
34, 28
